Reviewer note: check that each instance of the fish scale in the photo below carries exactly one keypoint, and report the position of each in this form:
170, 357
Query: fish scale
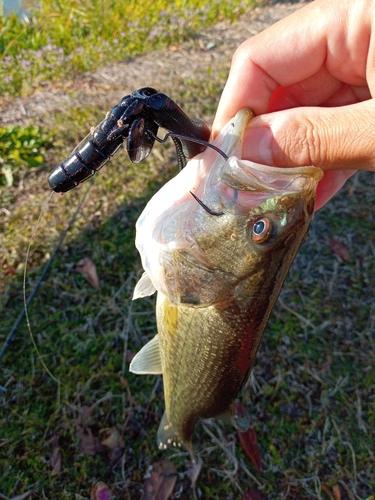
202, 359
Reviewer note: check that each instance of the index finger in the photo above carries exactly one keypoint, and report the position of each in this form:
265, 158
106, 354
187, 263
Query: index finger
293, 50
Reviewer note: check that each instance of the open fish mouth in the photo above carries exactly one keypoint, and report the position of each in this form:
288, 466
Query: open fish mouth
235, 178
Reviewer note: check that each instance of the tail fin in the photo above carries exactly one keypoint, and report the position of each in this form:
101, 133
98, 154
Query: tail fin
168, 436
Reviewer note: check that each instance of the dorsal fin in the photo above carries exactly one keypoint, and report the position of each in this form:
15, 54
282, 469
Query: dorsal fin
144, 287
147, 361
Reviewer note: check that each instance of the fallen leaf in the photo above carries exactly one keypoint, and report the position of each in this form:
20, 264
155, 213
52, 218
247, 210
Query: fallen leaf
125, 384
252, 494
55, 460
101, 492
327, 491
88, 443
339, 249
85, 413
249, 441
86, 267
129, 356
21, 497
110, 437
336, 492
160, 481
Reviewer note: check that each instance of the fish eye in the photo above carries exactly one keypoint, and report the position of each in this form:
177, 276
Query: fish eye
262, 230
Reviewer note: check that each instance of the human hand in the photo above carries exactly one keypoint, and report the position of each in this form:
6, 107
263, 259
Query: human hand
313, 74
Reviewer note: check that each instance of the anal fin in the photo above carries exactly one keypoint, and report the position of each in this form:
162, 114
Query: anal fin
148, 360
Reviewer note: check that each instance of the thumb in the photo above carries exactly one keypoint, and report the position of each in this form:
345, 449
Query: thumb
340, 138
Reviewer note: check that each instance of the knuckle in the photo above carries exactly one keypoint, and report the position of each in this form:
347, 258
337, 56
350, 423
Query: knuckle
242, 53
305, 143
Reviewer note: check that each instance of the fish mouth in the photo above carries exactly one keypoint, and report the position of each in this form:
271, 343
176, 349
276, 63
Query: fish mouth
230, 141
239, 178
242, 185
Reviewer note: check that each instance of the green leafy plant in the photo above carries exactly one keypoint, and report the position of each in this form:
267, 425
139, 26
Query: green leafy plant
20, 147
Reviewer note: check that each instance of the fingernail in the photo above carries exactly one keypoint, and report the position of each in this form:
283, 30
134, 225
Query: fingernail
257, 145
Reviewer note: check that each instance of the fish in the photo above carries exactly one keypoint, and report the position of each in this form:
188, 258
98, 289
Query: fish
218, 267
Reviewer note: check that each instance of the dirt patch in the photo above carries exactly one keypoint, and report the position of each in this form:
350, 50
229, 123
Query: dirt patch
210, 50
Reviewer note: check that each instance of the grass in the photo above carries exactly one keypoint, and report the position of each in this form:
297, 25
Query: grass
311, 394
65, 37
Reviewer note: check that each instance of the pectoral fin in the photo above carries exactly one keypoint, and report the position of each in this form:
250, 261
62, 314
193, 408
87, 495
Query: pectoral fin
240, 421
144, 287
147, 361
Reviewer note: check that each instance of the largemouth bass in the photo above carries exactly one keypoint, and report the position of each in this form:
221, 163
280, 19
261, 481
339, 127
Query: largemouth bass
218, 261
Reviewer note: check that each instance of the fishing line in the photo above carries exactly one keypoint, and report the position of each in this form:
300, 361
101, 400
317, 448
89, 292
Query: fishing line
203, 143
27, 301
191, 139
203, 205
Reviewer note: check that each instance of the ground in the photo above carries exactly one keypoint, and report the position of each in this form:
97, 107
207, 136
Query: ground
311, 394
